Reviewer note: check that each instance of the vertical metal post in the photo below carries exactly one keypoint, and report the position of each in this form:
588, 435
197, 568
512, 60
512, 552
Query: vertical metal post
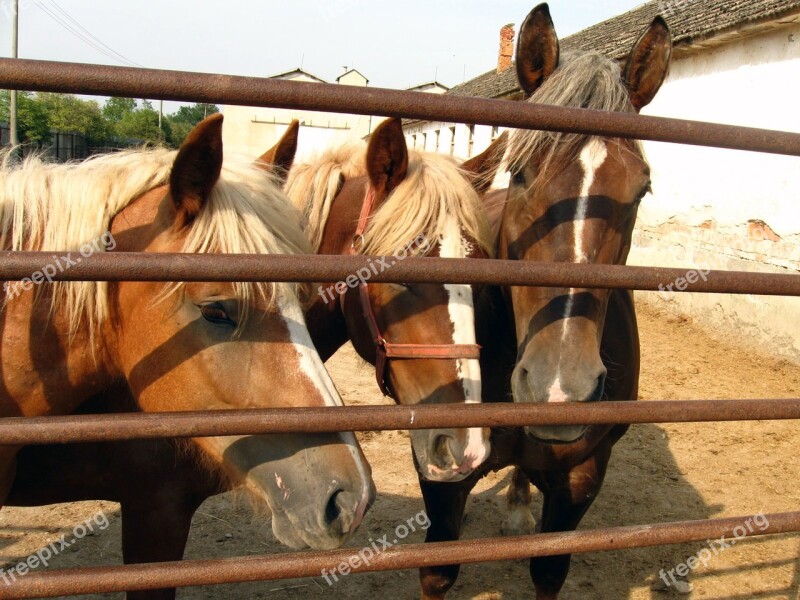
12, 108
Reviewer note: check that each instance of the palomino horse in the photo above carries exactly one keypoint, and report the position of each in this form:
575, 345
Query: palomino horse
572, 198
420, 338
146, 341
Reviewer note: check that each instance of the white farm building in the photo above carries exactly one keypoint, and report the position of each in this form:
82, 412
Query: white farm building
735, 62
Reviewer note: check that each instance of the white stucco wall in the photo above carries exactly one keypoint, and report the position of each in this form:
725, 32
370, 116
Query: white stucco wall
720, 209
252, 131
731, 210
482, 137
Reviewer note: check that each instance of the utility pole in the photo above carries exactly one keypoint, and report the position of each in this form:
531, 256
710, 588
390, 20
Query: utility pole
12, 109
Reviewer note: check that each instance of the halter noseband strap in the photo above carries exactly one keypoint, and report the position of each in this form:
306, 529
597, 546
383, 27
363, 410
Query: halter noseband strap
383, 349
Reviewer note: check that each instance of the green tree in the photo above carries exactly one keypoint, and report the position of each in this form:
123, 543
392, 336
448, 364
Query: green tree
185, 118
68, 113
178, 130
195, 113
141, 124
32, 117
115, 109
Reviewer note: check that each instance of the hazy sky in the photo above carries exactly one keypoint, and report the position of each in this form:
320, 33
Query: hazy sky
394, 44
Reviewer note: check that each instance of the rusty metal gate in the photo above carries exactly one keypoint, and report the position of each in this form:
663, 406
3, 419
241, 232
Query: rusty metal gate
32, 75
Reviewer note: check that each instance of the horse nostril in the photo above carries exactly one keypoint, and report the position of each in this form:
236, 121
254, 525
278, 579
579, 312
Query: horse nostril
443, 453
597, 394
333, 508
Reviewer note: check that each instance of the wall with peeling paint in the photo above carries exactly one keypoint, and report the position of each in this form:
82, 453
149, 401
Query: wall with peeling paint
722, 209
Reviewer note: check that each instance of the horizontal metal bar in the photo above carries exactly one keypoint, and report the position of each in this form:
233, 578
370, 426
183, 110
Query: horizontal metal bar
46, 76
71, 582
130, 266
96, 428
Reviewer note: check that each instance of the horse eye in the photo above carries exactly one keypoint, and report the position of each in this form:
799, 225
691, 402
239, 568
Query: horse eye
646, 190
404, 287
518, 178
214, 312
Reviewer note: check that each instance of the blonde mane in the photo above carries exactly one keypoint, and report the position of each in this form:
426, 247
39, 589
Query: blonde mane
313, 185
60, 207
582, 80
434, 191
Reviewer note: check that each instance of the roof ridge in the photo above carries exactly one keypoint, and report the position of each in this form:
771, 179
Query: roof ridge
688, 19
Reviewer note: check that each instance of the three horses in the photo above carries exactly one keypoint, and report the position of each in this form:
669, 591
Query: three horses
572, 198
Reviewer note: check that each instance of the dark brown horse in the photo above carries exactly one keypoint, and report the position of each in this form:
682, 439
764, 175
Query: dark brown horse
572, 198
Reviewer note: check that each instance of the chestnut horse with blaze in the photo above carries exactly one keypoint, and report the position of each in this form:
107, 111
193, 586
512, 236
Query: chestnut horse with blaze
183, 346
572, 199
389, 201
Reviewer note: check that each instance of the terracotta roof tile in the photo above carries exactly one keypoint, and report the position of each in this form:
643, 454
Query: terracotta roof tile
690, 21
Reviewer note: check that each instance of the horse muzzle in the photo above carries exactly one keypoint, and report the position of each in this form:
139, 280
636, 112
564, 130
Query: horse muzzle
450, 455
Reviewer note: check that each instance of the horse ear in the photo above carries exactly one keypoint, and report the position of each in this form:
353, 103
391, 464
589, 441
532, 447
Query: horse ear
648, 63
387, 156
482, 169
280, 157
196, 169
537, 50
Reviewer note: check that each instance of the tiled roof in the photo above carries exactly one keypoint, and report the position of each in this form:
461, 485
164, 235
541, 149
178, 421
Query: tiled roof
689, 20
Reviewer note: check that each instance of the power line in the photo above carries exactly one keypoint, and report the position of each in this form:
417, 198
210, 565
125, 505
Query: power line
75, 32
89, 41
92, 36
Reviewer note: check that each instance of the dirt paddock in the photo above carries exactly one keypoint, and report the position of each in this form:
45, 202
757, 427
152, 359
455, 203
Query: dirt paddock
657, 473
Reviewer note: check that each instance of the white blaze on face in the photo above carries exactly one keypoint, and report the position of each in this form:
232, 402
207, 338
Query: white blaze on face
462, 315
311, 365
592, 157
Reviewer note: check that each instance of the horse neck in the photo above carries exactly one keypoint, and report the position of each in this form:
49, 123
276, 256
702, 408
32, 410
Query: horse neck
324, 317
494, 203
135, 226
338, 231
65, 367
494, 329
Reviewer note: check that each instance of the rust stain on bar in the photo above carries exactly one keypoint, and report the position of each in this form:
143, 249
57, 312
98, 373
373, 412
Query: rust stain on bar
99, 428
70, 582
48, 76
131, 266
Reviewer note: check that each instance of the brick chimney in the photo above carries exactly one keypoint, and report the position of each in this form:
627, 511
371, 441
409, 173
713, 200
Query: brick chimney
506, 48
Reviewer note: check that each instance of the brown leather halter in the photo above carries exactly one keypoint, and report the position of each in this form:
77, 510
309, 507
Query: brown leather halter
383, 349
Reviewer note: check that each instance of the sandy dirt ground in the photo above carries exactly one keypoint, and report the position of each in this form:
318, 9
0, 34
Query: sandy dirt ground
657, 473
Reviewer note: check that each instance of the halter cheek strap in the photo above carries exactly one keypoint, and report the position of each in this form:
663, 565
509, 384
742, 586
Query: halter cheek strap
383, 349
